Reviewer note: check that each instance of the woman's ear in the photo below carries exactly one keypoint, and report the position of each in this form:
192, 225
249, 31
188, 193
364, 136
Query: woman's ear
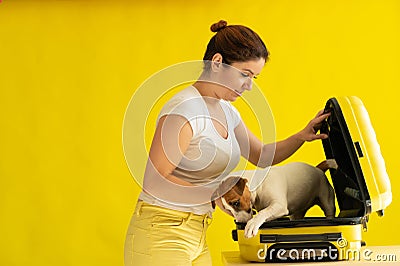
216, 62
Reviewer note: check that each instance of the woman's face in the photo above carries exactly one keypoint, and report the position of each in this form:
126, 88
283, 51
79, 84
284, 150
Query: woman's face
237, 78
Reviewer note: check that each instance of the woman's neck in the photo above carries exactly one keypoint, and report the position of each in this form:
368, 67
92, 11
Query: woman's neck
207, 90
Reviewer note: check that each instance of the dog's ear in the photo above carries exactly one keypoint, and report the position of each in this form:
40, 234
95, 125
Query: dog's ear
240, 185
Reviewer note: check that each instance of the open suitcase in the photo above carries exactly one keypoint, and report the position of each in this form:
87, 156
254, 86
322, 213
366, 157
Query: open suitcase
361, 185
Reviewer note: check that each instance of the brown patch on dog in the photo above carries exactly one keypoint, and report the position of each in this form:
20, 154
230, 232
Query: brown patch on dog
235, 192
225, 186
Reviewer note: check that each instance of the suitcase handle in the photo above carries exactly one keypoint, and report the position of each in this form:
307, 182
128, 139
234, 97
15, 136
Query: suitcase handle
358, 148
271, 238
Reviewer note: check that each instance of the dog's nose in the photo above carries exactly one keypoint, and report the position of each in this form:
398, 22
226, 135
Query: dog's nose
249, 210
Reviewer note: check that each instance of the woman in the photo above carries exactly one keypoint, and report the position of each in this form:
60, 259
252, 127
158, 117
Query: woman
198, 140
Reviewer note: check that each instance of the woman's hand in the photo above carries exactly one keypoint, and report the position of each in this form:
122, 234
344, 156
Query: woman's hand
309, 133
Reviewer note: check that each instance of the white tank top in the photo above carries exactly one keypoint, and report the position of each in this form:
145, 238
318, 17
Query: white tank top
209, 156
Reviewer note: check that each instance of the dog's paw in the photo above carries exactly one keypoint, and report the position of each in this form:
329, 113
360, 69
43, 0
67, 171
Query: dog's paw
253, 225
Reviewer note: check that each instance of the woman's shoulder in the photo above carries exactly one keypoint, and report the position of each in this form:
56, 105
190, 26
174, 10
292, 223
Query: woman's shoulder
186, 98
189, 104
186, 102
187, 93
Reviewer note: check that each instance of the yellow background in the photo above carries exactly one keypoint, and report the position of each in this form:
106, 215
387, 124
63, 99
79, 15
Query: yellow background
69, 68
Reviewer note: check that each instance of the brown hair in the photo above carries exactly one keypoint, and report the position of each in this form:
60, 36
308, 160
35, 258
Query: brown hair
236, 43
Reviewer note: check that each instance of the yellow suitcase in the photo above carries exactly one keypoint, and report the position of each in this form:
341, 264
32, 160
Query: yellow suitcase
361, 185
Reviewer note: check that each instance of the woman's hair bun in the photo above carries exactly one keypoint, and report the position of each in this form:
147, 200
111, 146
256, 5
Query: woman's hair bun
218, 26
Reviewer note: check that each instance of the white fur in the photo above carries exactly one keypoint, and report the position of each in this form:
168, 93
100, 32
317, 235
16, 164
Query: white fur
290, 189
240, 216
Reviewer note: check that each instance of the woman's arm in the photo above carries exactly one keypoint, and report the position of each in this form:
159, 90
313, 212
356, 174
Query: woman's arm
171, 140
263, 155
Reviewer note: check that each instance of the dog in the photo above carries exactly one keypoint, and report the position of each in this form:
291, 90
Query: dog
287, 190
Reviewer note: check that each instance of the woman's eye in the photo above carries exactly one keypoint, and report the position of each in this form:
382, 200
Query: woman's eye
245, 75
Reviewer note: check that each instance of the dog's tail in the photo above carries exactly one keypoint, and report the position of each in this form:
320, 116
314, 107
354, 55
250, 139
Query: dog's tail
327, 164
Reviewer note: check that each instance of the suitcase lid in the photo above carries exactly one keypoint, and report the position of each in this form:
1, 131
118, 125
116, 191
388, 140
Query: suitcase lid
361, 183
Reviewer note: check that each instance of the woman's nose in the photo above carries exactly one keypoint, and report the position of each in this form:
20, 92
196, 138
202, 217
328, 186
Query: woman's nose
248, 84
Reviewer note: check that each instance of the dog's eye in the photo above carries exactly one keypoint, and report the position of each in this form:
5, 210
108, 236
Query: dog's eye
236, 204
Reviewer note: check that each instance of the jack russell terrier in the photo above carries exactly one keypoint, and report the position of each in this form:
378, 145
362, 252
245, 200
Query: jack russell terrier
290, 190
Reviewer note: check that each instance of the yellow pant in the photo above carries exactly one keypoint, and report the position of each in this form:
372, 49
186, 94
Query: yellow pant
161, 236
